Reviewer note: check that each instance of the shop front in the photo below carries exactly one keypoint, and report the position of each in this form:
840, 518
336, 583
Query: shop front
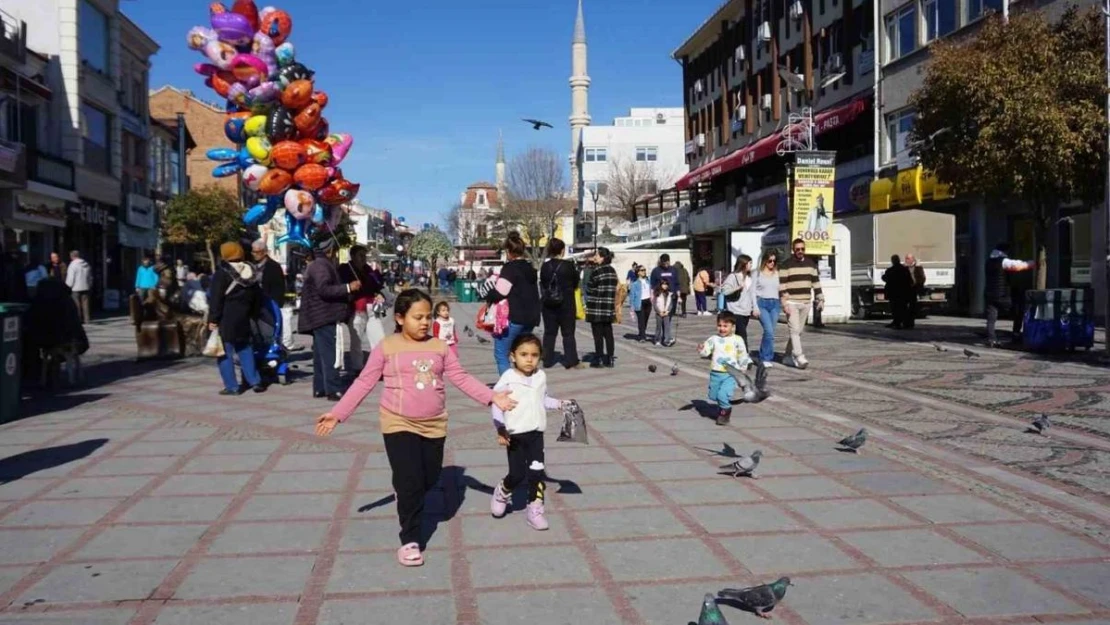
91, 229
137, 236
709, 226
35, 222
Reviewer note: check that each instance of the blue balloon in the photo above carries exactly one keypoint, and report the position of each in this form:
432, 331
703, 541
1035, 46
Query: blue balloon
222, 154
237, 160
262, 212
296, 233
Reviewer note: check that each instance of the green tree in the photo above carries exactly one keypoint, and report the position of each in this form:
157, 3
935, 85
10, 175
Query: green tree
432, 246
1017, 114
206, 216
537, 200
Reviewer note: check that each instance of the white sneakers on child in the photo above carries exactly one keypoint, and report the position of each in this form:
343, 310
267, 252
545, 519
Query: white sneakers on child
533, 515
499, 503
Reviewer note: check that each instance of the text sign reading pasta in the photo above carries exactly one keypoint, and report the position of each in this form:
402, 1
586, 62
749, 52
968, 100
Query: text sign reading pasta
813, 190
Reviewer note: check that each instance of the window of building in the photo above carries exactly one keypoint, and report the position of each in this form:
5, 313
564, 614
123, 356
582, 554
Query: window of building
95, 127
596, 155
820, 7
979, 8
901, 32
940, 18
649, 154
481, 231
93, 36
602, 189
176, 184
898, 127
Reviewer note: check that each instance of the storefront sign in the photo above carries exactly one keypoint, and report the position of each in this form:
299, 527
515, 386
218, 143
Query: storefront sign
813, 191
852, 194
764, 203
140, 211
93, 215
40, 209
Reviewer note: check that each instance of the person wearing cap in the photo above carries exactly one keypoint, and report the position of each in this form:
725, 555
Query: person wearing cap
235, 300
324, 304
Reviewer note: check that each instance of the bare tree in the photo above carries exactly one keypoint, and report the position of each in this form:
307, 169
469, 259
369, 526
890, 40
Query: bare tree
630, 181
537, 199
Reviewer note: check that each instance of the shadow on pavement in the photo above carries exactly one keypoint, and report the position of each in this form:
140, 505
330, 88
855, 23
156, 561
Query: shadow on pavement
55, 403
21, 465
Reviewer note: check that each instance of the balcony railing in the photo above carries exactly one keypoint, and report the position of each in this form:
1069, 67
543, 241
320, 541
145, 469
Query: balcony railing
51, 170
13, 40
666, 224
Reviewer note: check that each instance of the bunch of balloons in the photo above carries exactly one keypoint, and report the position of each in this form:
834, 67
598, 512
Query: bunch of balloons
284, 147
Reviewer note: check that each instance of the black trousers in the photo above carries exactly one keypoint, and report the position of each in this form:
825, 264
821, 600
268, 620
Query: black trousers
680, 302
742, 329
416, 462
642, 317
556, 321
526, 464
994, 309
325, 377
603, 341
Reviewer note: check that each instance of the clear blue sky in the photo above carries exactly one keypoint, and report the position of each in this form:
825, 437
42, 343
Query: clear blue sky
424, 86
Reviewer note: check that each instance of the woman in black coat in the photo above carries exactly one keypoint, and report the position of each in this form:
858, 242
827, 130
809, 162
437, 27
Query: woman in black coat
234, 302
601, 306
518, 284
558, 282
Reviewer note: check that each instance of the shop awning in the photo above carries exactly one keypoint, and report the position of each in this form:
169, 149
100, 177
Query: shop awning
823, 122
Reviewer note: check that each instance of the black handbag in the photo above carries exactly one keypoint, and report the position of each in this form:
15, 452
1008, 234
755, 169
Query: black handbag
552, 293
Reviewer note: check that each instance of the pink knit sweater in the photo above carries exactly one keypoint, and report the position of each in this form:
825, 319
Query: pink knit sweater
413, 373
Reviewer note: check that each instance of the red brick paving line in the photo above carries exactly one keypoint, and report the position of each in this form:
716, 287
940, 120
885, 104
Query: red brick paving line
85, 538
466, 599
165, 590
312, 598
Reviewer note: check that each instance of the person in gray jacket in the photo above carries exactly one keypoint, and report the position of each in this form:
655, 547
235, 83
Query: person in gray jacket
79, 280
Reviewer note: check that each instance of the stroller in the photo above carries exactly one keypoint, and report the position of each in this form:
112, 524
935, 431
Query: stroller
270, 356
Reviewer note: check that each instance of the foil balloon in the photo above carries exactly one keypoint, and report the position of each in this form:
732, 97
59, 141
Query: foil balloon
323, 129
248, 9
299, 204
289, 155
338, 191
307, 118
332, 221
219, 80
291, 72
262, 212
237, 160
294, 232
275, 182
340, 145
320, 98
279, 125
234, 127
318, 215
230, 27
252, 176
248, 69
316, 152
276, 24
263, 48
257, 99
311, 176
297, 95
219, 53
199, 36
285, 54
259, 148
255, 126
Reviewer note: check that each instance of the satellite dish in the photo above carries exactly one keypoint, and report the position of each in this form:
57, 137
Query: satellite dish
795, 82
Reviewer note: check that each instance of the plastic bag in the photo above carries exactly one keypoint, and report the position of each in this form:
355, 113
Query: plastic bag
214, 348
579, 305
574, 424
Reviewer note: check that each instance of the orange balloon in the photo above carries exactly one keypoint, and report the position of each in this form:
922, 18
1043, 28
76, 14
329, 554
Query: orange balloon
275, 181
311, 177
320, 98
307, 119
316, 151
288, 155
297, 95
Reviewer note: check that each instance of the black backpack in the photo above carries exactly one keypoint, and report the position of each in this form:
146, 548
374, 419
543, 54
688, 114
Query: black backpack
552, 294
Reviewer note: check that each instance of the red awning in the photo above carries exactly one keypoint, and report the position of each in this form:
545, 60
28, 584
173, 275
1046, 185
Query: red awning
822, 123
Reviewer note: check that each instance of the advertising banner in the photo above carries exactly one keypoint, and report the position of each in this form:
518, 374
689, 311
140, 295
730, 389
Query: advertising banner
813, 192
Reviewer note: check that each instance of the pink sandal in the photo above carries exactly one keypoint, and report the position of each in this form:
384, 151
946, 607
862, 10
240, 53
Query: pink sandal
410, 555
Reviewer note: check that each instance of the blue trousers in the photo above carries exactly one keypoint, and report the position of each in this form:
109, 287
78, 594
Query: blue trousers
721, 388
226, 365
503, 343
769, 309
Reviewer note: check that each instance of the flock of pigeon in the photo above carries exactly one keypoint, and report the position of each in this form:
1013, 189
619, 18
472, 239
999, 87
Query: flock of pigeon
759, 600
1039, 425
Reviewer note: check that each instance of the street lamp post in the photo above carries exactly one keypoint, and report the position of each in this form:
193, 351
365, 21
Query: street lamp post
593, 195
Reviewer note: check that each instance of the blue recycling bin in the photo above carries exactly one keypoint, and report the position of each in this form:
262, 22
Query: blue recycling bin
1058, 320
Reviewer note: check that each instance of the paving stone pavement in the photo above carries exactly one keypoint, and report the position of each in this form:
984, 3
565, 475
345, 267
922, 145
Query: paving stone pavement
146, 498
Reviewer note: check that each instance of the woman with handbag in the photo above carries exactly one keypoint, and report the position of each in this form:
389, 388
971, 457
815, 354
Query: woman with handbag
236, 299
601, 303
738, 295
558, 283
516, 284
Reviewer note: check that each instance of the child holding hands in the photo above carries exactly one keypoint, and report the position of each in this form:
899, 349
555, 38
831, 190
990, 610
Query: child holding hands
412, 413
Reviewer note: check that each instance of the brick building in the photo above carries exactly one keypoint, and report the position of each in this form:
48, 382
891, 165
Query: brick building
206, 124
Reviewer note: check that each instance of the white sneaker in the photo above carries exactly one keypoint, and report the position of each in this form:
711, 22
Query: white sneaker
768, 364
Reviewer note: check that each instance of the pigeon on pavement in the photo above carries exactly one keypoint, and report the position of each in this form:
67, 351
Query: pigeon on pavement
710, 613
761, 376
970, 354
1041, 424
483, 340
652, 368
745, 466
855, 441
757, 599
468, 331
939, 347
674, 369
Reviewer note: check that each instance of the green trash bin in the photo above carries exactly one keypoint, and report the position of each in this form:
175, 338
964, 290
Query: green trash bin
468, 294
11, 357
459, 290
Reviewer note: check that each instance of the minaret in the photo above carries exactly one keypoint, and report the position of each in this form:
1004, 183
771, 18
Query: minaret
579, 93
500, 168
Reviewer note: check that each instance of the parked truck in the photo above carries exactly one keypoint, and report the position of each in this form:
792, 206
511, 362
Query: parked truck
929, 236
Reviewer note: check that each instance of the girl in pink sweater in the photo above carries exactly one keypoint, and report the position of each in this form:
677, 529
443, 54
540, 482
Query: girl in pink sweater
413, 409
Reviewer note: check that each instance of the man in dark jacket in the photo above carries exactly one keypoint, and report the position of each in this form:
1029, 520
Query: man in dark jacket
273, 278
899, 290
324, 303
664, 271
998, 288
